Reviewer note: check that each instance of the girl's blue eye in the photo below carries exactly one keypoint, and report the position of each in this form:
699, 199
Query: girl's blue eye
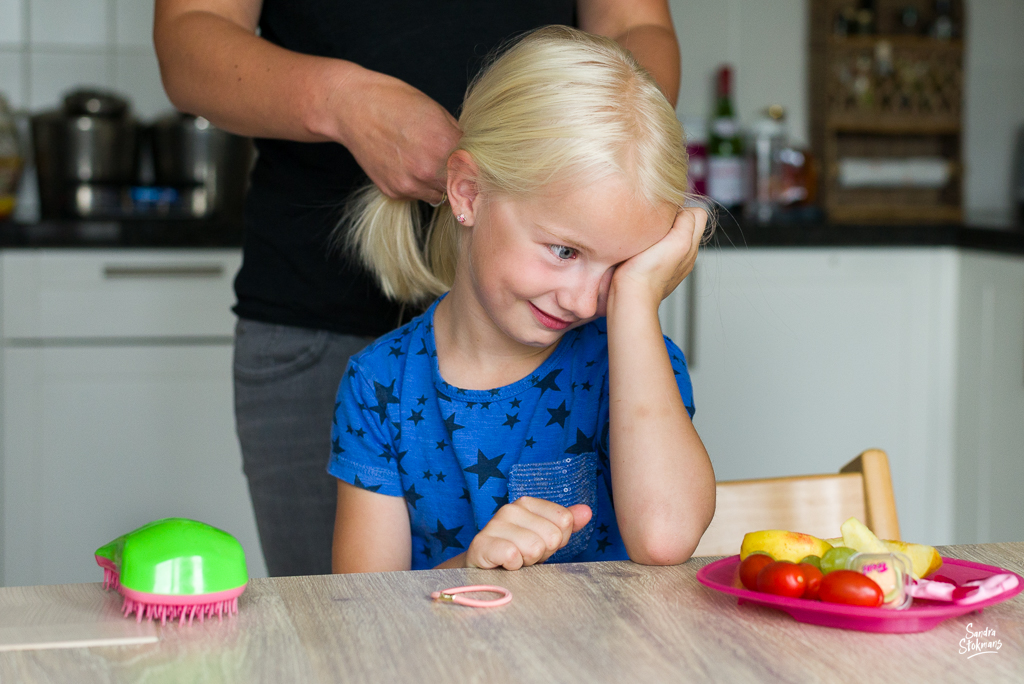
563, 252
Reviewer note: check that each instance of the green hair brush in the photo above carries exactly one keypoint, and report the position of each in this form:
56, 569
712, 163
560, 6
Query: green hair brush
175, 568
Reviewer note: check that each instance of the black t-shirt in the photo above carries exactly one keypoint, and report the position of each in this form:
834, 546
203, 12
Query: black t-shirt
290, 273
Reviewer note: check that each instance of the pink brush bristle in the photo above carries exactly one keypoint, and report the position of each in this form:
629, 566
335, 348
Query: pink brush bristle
154, 611
110, 579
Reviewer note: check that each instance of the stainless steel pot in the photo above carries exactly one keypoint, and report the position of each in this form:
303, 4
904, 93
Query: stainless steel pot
189, 150
91, 139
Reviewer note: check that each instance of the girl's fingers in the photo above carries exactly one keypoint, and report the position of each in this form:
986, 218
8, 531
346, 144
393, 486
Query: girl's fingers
494, 552
545, 511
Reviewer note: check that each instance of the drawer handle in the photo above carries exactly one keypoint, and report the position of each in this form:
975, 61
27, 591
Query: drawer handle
164, 271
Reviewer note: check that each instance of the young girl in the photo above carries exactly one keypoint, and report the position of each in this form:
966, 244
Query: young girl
534, 412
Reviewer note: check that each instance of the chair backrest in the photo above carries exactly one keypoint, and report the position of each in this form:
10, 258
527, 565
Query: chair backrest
812, 504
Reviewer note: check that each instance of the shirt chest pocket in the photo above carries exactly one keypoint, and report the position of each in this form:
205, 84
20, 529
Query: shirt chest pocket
569, 480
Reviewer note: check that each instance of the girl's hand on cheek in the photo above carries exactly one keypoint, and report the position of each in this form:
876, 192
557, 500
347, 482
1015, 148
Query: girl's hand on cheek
525, 532
659, 269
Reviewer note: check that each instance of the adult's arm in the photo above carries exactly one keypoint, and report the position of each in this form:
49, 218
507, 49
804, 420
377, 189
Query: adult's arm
644, 27
213, 64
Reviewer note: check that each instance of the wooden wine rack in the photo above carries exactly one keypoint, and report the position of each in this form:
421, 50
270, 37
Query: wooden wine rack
887, 96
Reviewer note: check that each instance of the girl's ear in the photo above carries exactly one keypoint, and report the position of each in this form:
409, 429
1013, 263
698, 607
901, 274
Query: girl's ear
463, 189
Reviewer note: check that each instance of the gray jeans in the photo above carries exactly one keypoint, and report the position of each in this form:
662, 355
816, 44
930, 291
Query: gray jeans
286, 380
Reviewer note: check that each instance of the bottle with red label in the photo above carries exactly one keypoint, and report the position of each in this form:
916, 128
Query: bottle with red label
697, 153
726, 168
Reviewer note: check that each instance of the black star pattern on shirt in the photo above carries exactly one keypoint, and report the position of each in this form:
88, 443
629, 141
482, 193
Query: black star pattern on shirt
485, 405
416, 417
499, 501
485, 468
336, 447
427, 552
349, 430
411, 497
584, 444
591, 363
450, 425
428, 327
360, 432
603, 544
586, 385
548, 383
351, 372
558, 415
573, 386
421, 400
385, 395
359, 484
511, 420
395, 351
530, 441
443, 397
470, 404
495, 392
602, 528
441, 445
398, 430
424, 351
440, 476
447, 537
515, 403
465, 494
427, 474
387, 455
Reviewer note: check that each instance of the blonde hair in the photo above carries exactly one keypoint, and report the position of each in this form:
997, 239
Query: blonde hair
559, 104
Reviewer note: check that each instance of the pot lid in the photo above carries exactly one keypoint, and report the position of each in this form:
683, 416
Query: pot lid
87, 102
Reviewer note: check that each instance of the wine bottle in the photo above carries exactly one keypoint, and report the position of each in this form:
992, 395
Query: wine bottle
725, 148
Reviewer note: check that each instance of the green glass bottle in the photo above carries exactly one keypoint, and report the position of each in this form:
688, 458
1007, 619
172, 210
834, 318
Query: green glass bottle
726, 176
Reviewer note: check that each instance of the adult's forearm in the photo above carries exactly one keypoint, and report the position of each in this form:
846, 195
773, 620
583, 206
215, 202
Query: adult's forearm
213, 67
656, 48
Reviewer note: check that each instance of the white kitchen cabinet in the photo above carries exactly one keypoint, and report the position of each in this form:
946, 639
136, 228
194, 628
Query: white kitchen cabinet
990, 400
803, 357
117, 404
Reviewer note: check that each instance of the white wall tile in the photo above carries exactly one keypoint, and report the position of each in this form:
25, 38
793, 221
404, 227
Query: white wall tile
54, 74
134, 19
138, 77
764, 41
993, 105
11, 21
68, 22
12, 85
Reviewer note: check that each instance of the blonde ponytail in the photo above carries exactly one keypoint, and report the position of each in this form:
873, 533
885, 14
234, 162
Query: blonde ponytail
412, 262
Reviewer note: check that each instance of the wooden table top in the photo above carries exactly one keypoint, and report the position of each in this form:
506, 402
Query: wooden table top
591, 622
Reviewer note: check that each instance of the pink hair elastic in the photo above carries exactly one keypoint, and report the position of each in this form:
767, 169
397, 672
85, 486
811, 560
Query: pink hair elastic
452, 596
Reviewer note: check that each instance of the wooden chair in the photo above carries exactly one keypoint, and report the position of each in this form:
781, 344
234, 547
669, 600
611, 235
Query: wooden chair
813, 504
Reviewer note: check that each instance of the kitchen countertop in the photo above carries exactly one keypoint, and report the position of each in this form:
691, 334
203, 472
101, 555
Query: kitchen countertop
730, 233
120, 234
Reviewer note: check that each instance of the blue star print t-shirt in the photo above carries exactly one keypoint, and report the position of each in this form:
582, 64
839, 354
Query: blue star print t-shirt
459, 455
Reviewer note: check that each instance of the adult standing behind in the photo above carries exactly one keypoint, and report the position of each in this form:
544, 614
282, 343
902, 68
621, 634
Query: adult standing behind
335, 91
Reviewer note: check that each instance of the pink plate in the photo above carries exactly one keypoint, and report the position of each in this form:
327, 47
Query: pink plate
923, 615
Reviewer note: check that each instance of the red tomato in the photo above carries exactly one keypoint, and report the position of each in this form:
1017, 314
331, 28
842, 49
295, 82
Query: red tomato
782, 578
813, 576
752, 565
851, 588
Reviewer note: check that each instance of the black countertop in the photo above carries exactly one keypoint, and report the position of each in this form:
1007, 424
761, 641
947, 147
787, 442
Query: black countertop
730, 234
154, 234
